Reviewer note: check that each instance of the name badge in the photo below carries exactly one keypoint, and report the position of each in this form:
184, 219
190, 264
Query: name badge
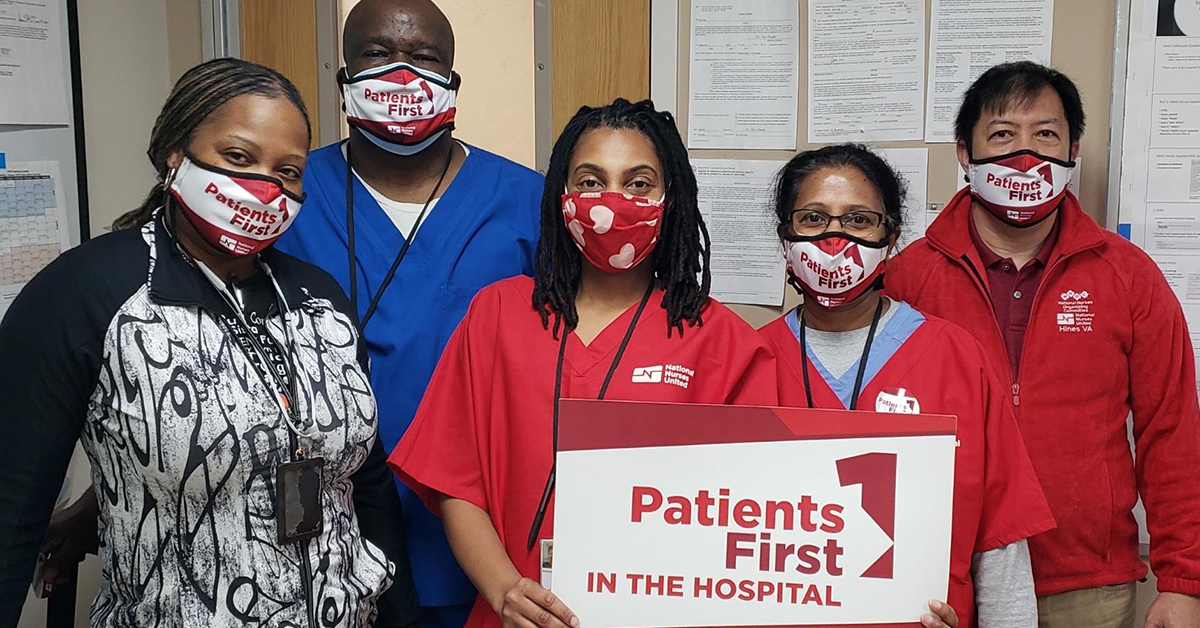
547, 562
298, 489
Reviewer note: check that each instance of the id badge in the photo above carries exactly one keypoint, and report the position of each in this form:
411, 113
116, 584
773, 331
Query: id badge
41, 588
298, 485
547, 562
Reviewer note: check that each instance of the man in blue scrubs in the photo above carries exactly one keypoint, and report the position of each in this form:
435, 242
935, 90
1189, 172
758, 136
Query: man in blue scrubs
455, 217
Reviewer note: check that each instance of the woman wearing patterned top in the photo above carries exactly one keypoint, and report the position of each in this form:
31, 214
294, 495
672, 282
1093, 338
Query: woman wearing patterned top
218, 387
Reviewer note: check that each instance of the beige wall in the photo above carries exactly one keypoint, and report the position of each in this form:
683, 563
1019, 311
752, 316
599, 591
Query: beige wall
131, 51
494, 55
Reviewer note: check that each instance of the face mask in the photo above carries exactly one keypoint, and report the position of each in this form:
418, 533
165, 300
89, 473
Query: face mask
239, 213
400, 108
1021, 188
614, 231
834, 268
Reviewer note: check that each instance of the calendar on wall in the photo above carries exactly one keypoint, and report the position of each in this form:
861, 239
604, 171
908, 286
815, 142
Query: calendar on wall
33, 225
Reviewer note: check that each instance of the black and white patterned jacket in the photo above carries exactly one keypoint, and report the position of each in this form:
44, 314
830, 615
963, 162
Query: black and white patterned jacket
116, 344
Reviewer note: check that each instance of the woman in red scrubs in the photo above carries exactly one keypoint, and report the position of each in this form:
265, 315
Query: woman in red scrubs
850, 348
620, 294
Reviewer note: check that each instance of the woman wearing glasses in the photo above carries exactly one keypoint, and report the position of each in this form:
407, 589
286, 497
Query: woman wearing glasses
850, 348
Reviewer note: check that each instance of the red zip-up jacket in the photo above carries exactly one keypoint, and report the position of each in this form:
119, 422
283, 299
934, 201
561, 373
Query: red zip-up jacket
1106, 336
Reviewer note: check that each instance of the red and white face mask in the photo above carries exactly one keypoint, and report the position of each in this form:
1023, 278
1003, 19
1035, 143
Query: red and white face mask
614, 231
399, 107
240, 213
834, 268
1020, 188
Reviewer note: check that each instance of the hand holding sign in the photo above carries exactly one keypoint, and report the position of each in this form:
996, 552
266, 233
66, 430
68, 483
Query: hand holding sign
944, 616
528, 605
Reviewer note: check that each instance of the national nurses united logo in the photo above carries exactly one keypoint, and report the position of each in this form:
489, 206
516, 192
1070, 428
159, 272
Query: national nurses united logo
1075, 312
672, 374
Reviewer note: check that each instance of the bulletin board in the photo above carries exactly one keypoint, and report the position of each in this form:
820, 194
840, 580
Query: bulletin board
1082, 47
52, 152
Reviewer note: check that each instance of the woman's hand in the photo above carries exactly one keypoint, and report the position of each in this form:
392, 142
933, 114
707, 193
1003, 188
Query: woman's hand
943, 616
528, 605
72, 533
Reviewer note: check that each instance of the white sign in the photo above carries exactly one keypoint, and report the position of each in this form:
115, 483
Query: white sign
671, 516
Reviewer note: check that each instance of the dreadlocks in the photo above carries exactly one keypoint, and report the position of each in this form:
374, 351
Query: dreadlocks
682, 251
197, 94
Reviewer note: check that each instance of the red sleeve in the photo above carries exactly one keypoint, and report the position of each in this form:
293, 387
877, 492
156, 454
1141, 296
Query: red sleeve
440, 454
1014, 506
757, 383
1166, 431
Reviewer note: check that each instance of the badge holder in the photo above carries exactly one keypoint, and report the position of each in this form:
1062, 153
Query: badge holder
547, 563
298, 488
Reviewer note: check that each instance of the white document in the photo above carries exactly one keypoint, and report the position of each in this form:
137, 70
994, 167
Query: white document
33, 89
1175, 121
913, 165
747, 259
866, 73
1174, 175
1174, 228
33, 226
1177, 64
744, 66
969, 36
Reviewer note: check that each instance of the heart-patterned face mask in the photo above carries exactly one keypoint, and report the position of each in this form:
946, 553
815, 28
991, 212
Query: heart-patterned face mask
614, 231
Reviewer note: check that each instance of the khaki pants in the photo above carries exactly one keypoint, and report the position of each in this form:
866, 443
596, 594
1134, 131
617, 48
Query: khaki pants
1102, 607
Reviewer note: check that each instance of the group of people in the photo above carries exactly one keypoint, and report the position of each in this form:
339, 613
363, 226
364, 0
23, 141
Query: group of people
252, 348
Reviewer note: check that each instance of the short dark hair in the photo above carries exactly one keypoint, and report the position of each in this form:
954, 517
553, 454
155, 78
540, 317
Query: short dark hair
680, 259
887, 182
1017, 84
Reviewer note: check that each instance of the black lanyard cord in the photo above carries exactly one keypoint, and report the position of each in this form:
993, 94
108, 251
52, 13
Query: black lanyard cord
350, 243
862, 361
544, 503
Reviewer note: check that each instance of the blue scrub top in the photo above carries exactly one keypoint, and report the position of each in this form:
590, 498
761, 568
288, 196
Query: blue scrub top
483, 229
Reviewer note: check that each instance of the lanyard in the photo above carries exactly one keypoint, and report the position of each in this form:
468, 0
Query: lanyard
284, 384
612, 369
403, 249
862, 361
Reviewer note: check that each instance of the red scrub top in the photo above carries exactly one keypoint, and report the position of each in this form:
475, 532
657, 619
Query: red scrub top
997, 498
483, 432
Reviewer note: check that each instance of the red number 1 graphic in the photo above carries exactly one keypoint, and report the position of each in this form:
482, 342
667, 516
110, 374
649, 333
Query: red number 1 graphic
877, 474
1047, 173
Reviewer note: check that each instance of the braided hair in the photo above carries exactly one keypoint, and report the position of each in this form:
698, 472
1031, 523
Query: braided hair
680, 259
198, 93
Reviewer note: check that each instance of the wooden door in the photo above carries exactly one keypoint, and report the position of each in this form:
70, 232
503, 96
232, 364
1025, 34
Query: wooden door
600, 50
282, 34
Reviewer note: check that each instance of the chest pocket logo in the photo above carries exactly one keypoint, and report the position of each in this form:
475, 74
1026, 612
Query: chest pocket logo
897, 401
647, 374
1075, 313
673, 374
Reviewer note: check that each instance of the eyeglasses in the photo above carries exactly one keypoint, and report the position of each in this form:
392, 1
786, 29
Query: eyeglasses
811, 222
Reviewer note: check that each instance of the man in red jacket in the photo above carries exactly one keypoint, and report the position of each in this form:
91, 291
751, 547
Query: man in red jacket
1088, 330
